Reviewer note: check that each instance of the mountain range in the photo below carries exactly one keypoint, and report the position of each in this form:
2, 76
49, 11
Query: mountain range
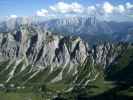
72, 59
89, 28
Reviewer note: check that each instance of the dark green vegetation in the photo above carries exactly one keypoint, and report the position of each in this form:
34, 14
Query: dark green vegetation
112, 83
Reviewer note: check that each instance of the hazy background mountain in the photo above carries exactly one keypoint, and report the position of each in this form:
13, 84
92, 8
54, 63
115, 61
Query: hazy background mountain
89, 28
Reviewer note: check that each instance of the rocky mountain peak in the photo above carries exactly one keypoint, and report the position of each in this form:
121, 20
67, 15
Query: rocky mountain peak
43, 50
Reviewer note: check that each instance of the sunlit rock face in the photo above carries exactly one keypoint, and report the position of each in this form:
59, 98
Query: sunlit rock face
30, 45
42, 48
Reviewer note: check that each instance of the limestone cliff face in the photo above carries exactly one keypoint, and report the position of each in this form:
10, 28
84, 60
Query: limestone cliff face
46, 50
42, 48
105, 54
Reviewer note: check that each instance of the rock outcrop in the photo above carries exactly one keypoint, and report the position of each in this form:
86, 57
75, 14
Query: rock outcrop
41, 49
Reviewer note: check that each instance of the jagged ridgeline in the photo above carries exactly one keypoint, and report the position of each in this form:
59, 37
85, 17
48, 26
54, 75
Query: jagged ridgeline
31, 57
29, 54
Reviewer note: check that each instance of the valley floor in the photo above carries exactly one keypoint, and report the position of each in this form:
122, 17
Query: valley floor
95, 91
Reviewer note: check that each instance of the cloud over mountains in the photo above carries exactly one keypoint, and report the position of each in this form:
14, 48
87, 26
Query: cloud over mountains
103, 9
42, 12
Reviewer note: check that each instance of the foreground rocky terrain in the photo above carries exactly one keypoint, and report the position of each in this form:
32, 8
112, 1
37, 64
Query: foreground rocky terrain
34, 59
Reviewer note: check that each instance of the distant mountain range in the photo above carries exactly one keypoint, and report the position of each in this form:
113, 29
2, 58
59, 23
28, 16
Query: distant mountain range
92, 28
89, 28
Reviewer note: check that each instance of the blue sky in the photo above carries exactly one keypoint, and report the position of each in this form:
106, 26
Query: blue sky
29, 7
45, 8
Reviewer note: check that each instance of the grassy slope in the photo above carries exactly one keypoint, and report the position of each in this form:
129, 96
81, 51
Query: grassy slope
96, 90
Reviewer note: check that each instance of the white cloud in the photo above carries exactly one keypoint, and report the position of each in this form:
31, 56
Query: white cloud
91, 10
107, 7
105, 10
62, 7
129, 5
110, 9
42, 12
120, 9
13, 16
